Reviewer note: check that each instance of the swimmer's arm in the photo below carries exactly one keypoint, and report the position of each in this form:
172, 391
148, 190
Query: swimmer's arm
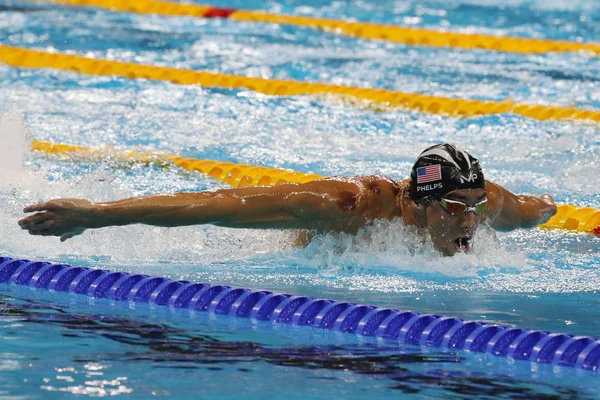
321, 205
510, 211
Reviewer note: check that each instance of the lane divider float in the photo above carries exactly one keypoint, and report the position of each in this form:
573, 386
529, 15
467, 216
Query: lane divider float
405, 327
25, 58
364, 30
568, 217
237, 175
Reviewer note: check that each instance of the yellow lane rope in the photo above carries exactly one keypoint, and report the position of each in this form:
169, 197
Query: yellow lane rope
18, 57
569, 217
236, 175
410, 36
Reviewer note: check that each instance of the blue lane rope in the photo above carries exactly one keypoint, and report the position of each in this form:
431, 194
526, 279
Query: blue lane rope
404, 326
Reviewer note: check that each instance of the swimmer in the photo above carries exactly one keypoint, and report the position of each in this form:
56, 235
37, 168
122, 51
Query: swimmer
446, 198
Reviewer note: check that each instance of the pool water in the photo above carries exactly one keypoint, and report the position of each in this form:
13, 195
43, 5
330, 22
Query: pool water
58, 345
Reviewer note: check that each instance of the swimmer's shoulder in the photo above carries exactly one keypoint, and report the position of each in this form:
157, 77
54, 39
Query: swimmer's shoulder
379, 183
368, 198
372, 183
495, 196
384, 195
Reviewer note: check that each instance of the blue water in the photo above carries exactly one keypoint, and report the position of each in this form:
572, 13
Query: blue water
56, 345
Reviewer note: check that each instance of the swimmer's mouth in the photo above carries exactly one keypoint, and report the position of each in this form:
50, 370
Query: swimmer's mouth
463, 243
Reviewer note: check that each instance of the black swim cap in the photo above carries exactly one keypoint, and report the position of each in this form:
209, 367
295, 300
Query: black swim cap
443, 168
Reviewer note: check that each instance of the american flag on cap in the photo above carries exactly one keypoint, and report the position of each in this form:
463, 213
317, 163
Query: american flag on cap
429, 173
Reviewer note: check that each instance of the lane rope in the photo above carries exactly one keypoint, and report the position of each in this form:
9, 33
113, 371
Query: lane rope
236, 175
25, 58
364, 30
405, 327
568, 217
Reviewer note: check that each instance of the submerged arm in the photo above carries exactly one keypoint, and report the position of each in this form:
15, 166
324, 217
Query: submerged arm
510, 211
316, 205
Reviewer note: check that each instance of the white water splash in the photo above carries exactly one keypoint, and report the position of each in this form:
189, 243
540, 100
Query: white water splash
14, 144
18, 185
394, 247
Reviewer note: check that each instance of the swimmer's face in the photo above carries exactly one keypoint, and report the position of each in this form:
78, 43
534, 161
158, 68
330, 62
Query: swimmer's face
453, 232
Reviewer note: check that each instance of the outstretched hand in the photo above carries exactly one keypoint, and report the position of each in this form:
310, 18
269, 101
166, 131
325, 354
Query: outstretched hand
61, 217
548, 198
550, 210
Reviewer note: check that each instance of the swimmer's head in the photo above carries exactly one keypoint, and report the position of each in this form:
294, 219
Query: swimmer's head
448, 187
441, 169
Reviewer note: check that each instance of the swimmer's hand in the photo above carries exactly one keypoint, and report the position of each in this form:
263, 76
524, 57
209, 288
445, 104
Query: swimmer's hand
518, 211
549, 210
61, 217
547, 198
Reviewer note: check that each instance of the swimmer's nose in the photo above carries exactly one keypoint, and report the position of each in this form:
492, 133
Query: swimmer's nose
471, 222
469, 230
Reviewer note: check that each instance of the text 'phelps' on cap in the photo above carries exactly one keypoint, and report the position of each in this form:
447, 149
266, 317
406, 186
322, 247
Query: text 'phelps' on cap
443, 168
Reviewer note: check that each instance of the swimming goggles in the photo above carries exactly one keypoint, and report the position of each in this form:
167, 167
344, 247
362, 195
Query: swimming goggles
456, 207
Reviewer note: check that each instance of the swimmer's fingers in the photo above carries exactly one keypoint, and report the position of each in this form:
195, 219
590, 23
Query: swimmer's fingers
71, 234
47, 225
43, 224
66, 236
48, 231
61, 217
36, 219
47, 206
548, 198
42, 232
57, 205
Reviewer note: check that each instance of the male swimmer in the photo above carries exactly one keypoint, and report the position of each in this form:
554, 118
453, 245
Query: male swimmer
446, 197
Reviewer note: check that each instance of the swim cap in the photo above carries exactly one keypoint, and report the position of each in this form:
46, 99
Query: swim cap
443, 168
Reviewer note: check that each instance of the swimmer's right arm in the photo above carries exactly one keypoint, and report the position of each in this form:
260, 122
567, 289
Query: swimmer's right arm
324, 205
518, 211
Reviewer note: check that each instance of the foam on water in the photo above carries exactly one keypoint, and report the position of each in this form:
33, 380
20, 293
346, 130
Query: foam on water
17, 184
393, 247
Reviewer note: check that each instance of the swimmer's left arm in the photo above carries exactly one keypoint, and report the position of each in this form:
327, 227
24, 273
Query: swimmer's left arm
509, 211
324, 205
